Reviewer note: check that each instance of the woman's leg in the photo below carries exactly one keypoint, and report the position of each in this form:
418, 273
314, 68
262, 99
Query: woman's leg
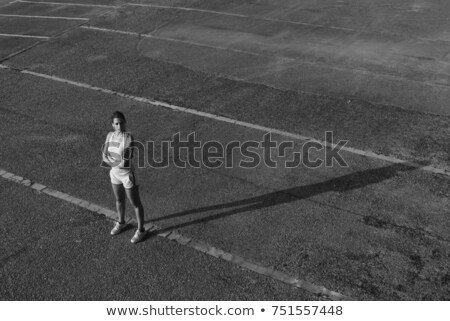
119, 194
135, 200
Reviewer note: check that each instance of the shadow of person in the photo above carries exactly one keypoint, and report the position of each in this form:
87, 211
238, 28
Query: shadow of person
339, 184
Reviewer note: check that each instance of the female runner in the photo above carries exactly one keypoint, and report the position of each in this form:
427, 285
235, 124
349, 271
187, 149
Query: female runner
117, 152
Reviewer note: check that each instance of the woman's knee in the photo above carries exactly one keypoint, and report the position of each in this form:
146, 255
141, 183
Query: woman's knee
119, 193
136, 203
133, 197
120, 200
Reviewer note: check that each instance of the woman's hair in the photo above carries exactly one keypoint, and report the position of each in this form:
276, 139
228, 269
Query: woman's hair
117, 114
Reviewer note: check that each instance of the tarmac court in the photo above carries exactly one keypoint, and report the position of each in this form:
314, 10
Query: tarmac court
375, 74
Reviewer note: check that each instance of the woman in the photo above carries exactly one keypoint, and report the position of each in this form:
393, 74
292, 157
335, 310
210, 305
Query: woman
117, 152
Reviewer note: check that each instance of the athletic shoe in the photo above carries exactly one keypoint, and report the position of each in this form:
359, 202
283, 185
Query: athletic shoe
118, 228
138, 236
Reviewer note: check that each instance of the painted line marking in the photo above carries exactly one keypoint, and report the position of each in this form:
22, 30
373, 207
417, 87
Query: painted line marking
135, 34
283, 59
68, 4
241, 16
41, 17
276, 20
9, 3
283, 133
182, 240
188, 42
22, 36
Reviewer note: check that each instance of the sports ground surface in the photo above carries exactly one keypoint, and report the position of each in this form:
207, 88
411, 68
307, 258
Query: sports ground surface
375, 73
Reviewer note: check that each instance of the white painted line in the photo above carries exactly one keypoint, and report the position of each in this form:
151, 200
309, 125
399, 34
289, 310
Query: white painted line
241, 16
434, 40
69, 4
185, 241
9, 3
237, 123
135, 34
22, 36
41, 17
188, 9
280, 58
275, 20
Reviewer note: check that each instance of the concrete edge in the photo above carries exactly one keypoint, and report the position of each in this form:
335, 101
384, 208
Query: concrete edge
183, 240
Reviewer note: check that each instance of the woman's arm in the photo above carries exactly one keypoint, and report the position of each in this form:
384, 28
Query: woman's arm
128, 151
105, 149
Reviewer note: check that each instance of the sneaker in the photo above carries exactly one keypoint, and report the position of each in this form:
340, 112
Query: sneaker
118, 228
138, 236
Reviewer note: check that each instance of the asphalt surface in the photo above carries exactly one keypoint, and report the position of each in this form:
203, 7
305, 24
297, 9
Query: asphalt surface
390, 69
53, 250
85, 54
372, 231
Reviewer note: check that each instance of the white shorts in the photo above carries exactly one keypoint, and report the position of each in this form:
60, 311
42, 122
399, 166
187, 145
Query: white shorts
122, 176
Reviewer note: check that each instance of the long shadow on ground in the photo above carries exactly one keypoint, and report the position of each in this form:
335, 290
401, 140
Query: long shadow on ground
339, 184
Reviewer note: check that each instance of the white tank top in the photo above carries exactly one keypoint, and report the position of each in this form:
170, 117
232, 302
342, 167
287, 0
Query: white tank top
116, 144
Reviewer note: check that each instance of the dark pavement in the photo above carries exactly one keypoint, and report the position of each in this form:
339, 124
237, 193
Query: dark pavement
375, 230
53, 250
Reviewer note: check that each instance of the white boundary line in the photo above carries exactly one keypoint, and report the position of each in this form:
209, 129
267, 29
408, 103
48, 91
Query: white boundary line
285, 59
188, 42
240, 16
41, 17
22, 36
7, 4
295, 136
68, 4
188, 9
183, 240
273, 20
